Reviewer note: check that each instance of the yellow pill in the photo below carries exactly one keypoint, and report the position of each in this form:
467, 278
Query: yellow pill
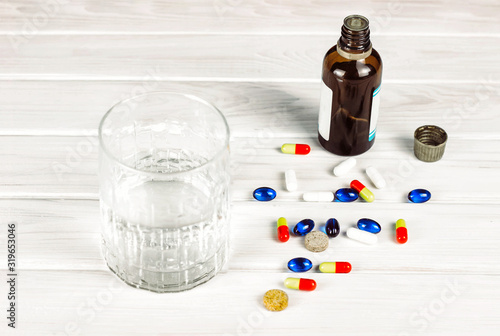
400, 223
282, 221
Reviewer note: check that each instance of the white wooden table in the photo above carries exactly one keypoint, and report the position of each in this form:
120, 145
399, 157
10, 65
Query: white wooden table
64, 63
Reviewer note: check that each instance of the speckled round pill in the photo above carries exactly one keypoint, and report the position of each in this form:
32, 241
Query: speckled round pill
275, 300
316, 241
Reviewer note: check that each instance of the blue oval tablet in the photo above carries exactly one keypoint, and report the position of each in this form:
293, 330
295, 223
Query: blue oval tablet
303, 227
419, 195
332, 228
346, 195
369, 225
264, 194
300, 264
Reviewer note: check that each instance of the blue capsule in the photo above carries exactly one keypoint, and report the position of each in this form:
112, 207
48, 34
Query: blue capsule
264, 194
419, 195
300, 264
303, 227
346, 195
332, 228
369, 225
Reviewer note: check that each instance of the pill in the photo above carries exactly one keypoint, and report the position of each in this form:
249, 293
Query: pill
363, 191
335, 267
401, 231
300, 264
290, 180
376, 178
419, 195
346, 195
283, 233
369, 225
300, 149
275, 300
264, 194
332, 228
318, 196
300, 284
303, 227
343, 168
316, 241
362, 236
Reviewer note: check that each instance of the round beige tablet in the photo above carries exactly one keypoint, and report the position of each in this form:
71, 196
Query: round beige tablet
316, 241
275, 300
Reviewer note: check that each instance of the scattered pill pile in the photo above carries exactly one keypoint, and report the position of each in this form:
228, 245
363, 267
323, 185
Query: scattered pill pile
366, 230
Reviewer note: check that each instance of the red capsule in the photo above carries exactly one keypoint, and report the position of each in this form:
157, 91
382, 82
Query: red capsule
300, 284
401, 231
300, 149
283, 232
335, 267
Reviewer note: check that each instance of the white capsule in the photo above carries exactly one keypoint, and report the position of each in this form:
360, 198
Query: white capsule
362, 236
291, 180
343, 168
318, 196
376, 178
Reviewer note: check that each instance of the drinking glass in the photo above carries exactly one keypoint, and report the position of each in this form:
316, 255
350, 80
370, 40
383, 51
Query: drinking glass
164, 190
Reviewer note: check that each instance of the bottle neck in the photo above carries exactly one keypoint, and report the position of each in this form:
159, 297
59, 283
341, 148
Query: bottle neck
354, 44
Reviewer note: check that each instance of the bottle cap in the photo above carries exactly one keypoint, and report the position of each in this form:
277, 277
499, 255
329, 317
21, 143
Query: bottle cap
429, 143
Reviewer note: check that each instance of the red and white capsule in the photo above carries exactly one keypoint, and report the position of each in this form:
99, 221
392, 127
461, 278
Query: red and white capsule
401, 231
300, 284
283, 232
300, 149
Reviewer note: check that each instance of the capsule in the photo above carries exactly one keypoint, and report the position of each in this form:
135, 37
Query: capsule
376, 178
300, 149
318, 196
335, 267
419, 195
362, 236
283, 233
401, 231
343, 168
264, 194
332, 228
303, 227
369, 225
300, 264
363, 191
346, 195
300, 284
291, 180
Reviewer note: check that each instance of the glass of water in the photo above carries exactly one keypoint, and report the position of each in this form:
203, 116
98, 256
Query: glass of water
164, 190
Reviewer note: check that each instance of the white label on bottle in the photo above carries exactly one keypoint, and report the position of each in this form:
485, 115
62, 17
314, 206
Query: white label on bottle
374, 113
325, 111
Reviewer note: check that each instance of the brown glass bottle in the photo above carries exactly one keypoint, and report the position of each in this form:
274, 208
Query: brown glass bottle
351, 78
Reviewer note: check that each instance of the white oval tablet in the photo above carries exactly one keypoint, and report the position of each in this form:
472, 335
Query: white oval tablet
343, 168
291, 180
376, 178
362, 236
318, 196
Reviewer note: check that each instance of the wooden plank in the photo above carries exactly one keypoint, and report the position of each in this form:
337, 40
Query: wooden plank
286, 109
62, 167
444, 239
286, 58
243, 17
95, 303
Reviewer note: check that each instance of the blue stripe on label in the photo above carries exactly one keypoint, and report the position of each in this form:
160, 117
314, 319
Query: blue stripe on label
372, 135
377, 90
